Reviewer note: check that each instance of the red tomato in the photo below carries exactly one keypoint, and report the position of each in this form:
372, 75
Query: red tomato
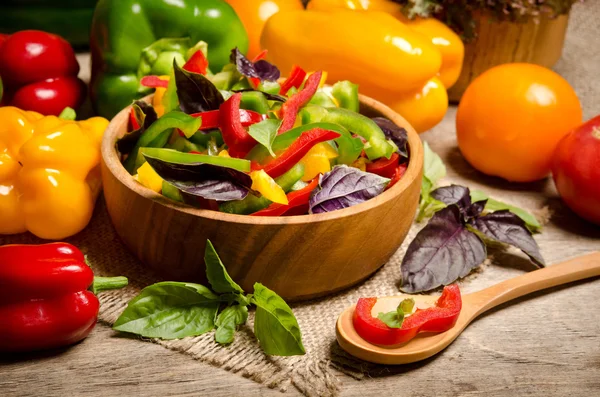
32, 55
576, 170
50, 96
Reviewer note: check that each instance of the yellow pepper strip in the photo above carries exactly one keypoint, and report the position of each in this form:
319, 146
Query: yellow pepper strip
446, 41
265, 185
368, 48
317, 160
49, 173
159, 92
423, 109
149, 178
224, 153
360, 163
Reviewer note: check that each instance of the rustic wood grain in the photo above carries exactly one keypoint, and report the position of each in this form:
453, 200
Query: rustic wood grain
332, 251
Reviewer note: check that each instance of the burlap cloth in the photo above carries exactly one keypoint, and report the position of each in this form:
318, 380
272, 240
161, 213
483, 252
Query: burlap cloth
316, 372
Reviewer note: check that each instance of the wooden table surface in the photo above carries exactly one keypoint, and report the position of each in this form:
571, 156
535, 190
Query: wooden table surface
544, 345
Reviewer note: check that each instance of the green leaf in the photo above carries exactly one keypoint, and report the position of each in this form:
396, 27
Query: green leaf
396, 318
495, 205
275, 325
265, 132
170, 310
227, 322
433, 168
216, 273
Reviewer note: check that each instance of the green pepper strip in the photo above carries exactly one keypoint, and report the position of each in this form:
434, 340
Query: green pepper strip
253, 203
171, 192
254, 100
173, 156
377, 145
346, 93
349, 147
322, 99
158, 134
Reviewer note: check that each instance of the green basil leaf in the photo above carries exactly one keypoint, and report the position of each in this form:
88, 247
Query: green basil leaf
392, 319
227, 322
496, 205
216, 273
275, 325
170, 310
433, 169
265, 132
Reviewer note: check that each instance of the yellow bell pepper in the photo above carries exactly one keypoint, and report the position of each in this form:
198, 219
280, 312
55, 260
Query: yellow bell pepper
49, 173
265, 185
368, 48
149, 178
318, 160
446, 41
387, 58
159, 93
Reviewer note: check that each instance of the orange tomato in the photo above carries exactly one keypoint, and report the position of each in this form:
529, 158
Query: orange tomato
254, 14
511, 118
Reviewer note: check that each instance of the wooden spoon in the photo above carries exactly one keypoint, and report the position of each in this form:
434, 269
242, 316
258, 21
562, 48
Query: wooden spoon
426, 345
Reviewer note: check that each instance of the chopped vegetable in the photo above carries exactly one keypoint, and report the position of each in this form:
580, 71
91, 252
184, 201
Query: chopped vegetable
438, 318
237, 141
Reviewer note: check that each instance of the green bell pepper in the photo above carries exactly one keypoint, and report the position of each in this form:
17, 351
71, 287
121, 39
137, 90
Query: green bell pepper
346, 93
123, 29
173, 156
171, 192
254, 100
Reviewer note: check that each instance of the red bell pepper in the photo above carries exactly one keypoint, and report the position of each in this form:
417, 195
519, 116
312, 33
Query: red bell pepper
438, 318
384, 167
39, 71
197, 63
44, 297
295, 79
211, 119
298, 149
398, 174
134, 124
297, 200
234, 134
154, 82
289, 110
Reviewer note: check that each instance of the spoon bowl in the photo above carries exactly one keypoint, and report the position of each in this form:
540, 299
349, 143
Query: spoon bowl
426, 345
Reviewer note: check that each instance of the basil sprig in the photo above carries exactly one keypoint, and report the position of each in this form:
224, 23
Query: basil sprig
173, 310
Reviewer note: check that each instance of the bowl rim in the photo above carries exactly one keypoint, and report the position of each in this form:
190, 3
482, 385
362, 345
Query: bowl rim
113, 164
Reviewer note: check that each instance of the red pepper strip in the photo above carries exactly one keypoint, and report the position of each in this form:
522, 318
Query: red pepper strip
289, 110
261, 55
438, 318
44, 302
133, 120
235, 135
384, 167
295, 79
210, 119
398, 174
154, 82
197, 63
298, 149
296, 199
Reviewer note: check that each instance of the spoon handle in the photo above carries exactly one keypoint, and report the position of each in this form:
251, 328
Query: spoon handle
579, 268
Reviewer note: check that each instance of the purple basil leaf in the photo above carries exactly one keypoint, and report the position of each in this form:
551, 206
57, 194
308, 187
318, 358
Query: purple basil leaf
344, 187
476, 209
145, 116
205, 180
453, 194
508, 228
398, 135
442, 252
262, 69
196, 93
270, 97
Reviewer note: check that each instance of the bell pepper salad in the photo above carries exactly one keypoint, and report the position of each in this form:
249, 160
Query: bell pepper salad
245, 140
389, 329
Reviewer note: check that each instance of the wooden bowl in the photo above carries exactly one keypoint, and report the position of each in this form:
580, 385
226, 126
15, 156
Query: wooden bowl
498, 42
299, 257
